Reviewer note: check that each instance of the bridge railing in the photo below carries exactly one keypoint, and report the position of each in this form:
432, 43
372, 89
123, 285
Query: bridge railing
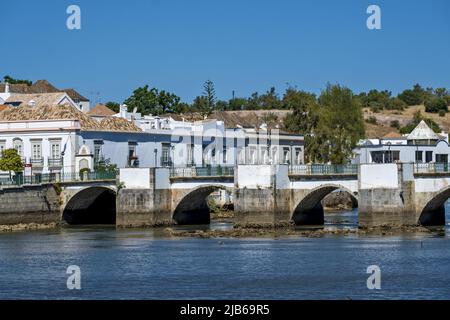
55, 177
323, 169
431, 168
191, 172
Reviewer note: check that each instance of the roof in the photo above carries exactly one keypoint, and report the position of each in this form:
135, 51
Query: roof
40, 99
422, 132
393, 135
66, 112
74, 95
41, 86
100, 110
243, 118
3, 107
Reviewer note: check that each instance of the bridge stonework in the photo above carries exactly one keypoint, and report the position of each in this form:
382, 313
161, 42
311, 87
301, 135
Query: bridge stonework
263, 195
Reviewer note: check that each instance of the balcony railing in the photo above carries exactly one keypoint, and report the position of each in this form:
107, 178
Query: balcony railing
55, 162
133, 162
324, 169
166, 162
20, 179
191, 172
37, 162
432, 167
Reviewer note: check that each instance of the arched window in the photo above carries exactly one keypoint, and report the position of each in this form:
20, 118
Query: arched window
18, 145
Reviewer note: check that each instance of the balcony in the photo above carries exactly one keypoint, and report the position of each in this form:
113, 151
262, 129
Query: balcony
166, 162
55, 162
133, 162
37, 162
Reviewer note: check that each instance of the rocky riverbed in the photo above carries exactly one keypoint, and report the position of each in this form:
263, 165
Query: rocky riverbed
27, 226
238, 232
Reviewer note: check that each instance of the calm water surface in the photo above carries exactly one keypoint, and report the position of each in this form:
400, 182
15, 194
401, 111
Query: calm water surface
143, 264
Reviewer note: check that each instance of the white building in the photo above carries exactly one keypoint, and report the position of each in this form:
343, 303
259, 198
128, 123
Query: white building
60, 139
422, 145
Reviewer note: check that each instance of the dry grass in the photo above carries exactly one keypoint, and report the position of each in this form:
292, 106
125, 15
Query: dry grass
384, 118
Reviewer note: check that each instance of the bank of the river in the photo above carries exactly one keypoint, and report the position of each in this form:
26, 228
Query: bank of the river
27, 226
295, 231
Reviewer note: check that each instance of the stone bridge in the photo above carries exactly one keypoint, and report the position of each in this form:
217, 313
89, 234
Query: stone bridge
387, 194
262, 194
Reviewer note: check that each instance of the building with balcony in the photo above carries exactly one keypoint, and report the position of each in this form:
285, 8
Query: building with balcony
60, 139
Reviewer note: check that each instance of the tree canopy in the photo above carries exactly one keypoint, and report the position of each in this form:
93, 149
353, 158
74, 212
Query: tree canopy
152, 101
11, 161
11, 80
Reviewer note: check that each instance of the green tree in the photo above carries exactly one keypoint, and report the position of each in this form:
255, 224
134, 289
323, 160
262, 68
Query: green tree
182, 107
237, 104
114, 106
200, 104
435, 105
416, 96
339, 128
11, 80
269, 100
210, 94
152, 101
304, 111
11, 161
105, 167
396, 104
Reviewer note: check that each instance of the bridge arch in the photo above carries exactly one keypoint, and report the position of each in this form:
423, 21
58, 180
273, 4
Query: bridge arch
433, 212
91, 205
191, 206
309, 211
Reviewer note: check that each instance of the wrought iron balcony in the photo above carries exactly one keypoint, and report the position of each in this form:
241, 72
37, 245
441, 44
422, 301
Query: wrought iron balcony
55, 162
37, 162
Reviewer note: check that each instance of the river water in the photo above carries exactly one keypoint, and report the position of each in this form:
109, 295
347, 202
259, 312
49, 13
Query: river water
145, 264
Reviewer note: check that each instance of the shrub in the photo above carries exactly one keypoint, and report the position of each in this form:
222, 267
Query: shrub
371, 120
395, 124
442, 113
396, 104
436, 105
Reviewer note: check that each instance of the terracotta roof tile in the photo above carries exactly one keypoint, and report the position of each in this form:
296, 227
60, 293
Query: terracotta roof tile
101, 110
61, 112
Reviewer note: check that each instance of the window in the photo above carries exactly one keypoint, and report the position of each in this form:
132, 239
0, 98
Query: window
377, 156
55, 150
97, 152
132, 157
165, 158
190, 154
36, 150
442, 158
286, 155
391, 156
428, 156
224, 155
419, 155
298, 156
2, 146
18, 145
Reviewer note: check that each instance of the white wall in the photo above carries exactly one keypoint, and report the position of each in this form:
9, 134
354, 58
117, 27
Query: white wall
254, 176
135, 178
373, 176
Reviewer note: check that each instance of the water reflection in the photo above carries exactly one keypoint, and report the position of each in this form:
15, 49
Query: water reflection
147, 264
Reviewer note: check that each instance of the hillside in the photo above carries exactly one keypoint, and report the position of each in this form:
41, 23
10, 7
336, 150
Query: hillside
254, 118
384, 118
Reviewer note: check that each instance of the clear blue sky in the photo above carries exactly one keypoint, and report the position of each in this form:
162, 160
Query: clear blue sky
242, 45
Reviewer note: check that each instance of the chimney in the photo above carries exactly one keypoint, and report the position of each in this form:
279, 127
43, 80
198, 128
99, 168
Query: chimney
6, 87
